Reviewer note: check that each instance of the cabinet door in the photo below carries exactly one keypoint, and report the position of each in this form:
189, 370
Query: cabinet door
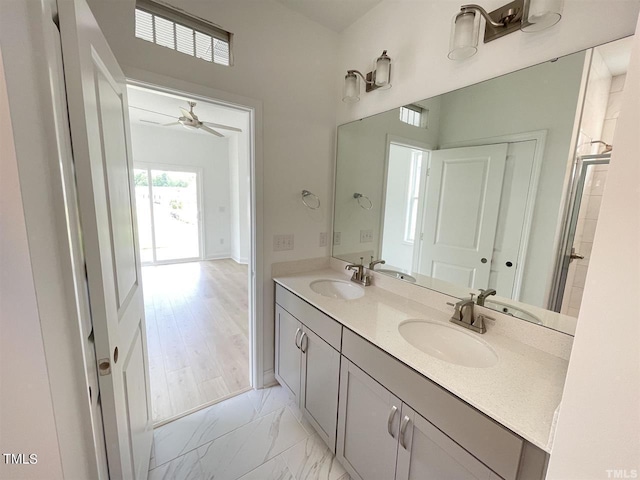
425, 452
319, 385
368, 425
288, 357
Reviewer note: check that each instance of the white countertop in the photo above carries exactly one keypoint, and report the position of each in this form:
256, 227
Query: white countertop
521, 392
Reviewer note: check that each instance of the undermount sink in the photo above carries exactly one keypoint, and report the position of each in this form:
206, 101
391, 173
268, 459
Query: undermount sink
449, 343
337, 289
400, 275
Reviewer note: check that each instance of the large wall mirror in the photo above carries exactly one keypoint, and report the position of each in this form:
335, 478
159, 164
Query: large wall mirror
496, 186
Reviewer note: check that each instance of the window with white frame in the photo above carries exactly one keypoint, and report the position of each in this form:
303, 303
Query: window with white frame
414, 115
173, 29
413, 197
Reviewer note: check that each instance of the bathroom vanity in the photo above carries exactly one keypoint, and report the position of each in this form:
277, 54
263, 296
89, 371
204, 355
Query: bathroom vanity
366, 368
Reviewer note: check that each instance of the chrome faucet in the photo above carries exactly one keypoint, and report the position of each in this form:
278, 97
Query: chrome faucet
373, 263
464, 315
358, 273
484, 294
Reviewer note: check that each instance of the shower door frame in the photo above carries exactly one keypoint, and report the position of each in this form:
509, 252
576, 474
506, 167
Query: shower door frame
576, 189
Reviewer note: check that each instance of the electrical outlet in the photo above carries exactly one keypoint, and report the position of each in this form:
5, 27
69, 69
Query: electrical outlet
366, 236
282, 242
323, 239
337, 238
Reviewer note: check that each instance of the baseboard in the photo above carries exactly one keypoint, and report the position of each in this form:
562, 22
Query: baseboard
218, 256
240, 260
269, 378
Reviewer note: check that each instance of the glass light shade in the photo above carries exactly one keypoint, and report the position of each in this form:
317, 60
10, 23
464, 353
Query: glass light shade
383, 71
351, 93
464, 36
541, 14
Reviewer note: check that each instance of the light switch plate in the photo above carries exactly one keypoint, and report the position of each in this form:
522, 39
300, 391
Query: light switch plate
323, 239
283, 242
337, 238
366, 236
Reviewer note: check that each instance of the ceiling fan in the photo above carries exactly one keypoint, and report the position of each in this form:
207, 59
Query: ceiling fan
189, 119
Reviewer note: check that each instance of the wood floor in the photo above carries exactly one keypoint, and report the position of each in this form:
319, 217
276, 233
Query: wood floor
197, 329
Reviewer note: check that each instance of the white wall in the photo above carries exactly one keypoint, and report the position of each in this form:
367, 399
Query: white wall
24, 388
240, 191
284, 61
600, 412
179, 147
416, 35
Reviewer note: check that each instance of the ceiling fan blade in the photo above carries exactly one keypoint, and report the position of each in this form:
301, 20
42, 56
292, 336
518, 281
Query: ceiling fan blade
186, 113
151, 111
223, 127
210, 130
170, 124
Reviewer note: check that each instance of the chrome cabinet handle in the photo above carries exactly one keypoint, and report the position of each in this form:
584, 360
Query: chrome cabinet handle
392, 415
403, 430
302, 338
295, 340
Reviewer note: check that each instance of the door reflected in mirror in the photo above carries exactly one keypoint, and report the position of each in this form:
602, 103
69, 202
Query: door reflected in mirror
493, 186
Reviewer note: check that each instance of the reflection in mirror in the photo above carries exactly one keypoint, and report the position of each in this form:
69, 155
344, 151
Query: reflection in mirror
495, 186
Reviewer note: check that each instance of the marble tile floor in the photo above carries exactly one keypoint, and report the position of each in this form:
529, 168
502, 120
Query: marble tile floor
259, 435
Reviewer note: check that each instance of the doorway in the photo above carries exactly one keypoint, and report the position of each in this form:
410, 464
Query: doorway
192, 185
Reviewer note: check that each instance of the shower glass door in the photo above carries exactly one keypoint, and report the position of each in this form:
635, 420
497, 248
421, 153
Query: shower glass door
168, 209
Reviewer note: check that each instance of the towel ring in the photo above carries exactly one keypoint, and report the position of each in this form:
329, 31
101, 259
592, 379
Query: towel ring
307, 193
359, 197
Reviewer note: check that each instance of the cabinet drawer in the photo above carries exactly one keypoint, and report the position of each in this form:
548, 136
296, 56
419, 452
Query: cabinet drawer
494, 445
325, 327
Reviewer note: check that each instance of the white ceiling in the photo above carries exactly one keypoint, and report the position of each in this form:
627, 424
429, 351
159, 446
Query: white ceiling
617, 55
161, 108
336, 15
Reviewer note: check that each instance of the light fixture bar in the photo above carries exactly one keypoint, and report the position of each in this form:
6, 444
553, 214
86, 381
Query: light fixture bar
500, 22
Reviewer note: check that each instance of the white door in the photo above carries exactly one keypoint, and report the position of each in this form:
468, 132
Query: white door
97, 101
368, 424
424, 452
319, 382
511, 218
461, 213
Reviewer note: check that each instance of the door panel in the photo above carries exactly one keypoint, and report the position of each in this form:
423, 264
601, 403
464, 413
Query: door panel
424, 452
367, 426
288, 359
97, 103
511, 217
463, 197
320, 382
109, 103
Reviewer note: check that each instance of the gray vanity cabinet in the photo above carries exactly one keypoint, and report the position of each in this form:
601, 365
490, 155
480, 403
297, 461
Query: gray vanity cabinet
381, 438
319, 385
288, 331
308, 361
425, 452
368, 426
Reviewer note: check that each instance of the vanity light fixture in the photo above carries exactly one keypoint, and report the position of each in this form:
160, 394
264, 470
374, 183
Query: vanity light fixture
525, 15
380, 77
